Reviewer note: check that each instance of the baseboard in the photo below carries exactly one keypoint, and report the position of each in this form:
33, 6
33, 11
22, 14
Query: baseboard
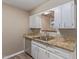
13, 54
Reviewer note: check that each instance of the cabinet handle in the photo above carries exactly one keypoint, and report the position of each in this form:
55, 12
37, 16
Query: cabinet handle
64, 24
59, 25
48, 54
72, 24
72, 4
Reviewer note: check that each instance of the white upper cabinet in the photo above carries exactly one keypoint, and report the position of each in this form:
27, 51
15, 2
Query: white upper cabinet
67, 13
64, 16
73, 10
32, 24
57, 17
35, 21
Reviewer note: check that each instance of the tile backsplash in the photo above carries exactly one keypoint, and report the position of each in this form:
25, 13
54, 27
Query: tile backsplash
69, 33
65, 33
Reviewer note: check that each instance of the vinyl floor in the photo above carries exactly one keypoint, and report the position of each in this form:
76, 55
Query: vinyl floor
21, 56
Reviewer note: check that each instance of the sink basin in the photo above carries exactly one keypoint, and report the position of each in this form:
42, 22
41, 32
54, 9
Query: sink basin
36, 37
44, 38
48, 39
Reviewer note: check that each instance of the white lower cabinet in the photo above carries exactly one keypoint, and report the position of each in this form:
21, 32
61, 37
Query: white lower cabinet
42, 54
53, 56
34, 51
39, 52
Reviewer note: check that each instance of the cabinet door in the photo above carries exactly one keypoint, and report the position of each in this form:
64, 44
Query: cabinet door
73, 14
35, 21
42, 54
57, 17
28, 46
32, 21
38, 21
34, 51
53, 56
67, 15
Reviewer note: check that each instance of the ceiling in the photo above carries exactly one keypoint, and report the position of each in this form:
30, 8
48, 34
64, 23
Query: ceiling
25, 4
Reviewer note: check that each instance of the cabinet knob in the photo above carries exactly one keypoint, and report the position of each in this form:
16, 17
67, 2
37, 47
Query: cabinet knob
64, 25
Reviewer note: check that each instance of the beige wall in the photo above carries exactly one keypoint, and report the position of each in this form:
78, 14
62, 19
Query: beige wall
14, 24
48, 5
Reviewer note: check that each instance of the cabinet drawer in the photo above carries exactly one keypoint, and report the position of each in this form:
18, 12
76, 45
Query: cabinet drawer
59, 52
39, 44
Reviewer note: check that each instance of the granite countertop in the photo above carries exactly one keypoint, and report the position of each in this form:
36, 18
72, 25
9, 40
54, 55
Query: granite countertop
61, 43
57, 42
32, 35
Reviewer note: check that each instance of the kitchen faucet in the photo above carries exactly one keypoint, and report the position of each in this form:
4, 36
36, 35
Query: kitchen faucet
46, 35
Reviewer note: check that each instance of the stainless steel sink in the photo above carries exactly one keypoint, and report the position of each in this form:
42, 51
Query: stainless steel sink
47, 38
44, 38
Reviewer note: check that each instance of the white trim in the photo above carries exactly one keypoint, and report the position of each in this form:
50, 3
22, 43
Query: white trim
13, 55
